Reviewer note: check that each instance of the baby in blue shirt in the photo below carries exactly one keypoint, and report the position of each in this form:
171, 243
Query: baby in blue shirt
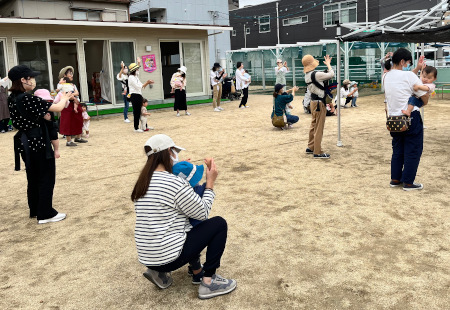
193, 174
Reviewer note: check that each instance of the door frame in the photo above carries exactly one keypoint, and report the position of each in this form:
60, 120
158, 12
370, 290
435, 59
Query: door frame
180, 47
113, 89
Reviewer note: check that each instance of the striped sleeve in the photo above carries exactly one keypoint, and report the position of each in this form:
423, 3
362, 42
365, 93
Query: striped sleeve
191, 204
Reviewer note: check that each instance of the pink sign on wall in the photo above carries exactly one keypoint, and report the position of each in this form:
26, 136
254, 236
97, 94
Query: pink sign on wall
149, 63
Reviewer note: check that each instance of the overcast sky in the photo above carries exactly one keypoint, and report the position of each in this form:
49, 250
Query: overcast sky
243, 3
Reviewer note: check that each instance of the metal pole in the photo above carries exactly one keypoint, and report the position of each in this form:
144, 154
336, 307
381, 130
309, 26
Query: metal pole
263, 71
245, 37
367, 13
338, 79
148, 11
278, 25
346, 62
422, 53
293, 71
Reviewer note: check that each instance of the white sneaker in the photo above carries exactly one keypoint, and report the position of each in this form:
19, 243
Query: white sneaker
127, 121
58, 217
217, 110
178, 114
220, 108
138, 130
242, 107
247, 106
187, 113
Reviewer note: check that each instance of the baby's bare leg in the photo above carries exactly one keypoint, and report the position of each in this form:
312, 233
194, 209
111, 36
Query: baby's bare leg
408, 111
55, 144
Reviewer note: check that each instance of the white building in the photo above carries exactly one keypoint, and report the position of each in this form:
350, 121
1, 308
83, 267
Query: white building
200, 12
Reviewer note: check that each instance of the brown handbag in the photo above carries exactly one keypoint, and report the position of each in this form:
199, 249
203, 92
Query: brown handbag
398, 123
277, 121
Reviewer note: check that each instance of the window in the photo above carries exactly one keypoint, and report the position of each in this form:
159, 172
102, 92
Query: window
264, 23
233, 33
121, 51
3, 71
33, 54
109, 17
247, 30
87, 15
342, 12
295, 20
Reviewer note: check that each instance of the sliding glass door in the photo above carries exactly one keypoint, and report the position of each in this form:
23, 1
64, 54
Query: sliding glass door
192, 54
120, 51
34, 54
3, 70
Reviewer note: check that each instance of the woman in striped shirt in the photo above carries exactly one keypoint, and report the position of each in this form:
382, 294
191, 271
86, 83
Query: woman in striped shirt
164, 237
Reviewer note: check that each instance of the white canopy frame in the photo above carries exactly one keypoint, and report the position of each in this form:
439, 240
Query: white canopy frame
402, 22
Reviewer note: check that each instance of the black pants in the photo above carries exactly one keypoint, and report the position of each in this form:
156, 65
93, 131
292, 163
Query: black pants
41, 181
245, 97
212, 234
4, 124
136, 102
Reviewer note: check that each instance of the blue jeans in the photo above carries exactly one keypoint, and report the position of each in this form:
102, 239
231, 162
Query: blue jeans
126, 106
417, 102
354, 101
406, 150
292, 119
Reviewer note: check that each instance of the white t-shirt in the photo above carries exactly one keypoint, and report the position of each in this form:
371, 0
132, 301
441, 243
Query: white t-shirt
212, 77
241, 81
134, 85
398, 87
122, 77
282, 69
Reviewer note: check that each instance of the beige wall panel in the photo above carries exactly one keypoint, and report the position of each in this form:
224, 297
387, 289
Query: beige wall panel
141, 37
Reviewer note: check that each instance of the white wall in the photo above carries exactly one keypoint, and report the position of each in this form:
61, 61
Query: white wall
195, 12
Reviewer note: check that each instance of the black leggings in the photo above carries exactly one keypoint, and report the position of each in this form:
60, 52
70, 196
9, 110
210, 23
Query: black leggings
212, 234
136, 102
244, 98
41, 182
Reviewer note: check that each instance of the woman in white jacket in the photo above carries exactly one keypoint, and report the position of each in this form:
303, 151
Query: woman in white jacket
242, 84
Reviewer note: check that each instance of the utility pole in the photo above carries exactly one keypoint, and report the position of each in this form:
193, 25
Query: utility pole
245, 37
214, 15
278, 24
338, 78
367, 13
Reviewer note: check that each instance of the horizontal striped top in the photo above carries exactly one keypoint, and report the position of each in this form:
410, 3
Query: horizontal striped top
162, 217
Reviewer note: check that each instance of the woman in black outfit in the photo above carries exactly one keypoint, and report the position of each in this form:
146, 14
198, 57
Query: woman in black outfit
32, 141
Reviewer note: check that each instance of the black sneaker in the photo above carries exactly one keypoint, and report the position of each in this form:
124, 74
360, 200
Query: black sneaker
395, 183
322, 156
412, 187
160, 279
309, 151
197, 278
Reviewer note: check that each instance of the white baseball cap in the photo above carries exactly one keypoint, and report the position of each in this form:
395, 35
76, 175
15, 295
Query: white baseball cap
160, 143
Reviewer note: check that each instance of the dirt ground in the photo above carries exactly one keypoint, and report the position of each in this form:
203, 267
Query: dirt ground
303, 233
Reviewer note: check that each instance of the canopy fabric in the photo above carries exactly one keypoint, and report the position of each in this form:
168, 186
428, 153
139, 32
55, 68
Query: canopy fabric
440, 34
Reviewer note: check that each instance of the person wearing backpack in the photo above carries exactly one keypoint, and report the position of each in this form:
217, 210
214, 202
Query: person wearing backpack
316, 82
33, 142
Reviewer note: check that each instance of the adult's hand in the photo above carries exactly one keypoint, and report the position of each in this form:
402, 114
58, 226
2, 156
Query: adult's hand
211, 175
47, 117
327, 60
150, 82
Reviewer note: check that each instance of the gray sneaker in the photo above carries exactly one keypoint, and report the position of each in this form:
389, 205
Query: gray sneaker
160, 279
219, 286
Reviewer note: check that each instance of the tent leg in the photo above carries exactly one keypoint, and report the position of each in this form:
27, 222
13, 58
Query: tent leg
338, 79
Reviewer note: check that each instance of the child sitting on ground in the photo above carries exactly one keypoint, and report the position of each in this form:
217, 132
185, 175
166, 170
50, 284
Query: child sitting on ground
428, 76
50, 122
144, 114
86, 119
192, 174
